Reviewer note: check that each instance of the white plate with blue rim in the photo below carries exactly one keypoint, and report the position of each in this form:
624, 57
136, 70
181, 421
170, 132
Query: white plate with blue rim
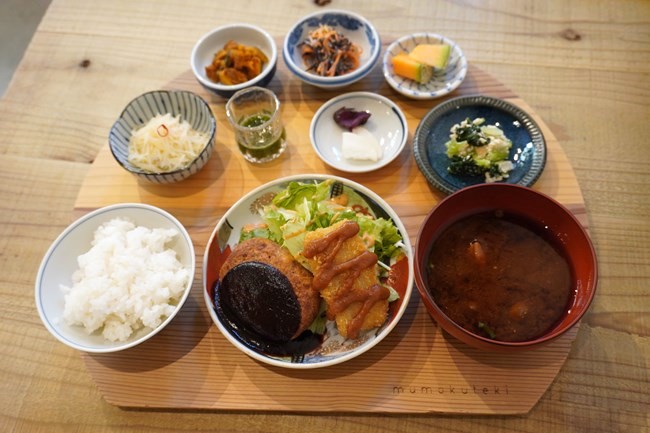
331, 348
386, 123
442, 82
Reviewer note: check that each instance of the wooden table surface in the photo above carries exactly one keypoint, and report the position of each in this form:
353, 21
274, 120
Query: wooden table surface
582, 66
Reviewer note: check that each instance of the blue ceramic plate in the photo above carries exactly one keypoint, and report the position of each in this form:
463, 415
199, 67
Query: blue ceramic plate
528, 153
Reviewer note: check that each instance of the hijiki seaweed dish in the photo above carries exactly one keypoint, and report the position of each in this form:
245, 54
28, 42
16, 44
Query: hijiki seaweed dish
328, 53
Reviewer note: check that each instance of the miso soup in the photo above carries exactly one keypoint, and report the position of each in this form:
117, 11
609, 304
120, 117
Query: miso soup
499, 277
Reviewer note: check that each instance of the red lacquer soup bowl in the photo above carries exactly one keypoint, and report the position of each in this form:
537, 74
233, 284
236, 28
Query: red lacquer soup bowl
538, 213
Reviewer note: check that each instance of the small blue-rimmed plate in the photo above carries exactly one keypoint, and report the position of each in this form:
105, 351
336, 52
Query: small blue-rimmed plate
528, 152
442, 83
387, 123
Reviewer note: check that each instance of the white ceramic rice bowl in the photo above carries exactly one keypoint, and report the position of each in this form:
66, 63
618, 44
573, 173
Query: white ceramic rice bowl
60, 261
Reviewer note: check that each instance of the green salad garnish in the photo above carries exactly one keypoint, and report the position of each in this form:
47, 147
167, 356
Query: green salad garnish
303, 207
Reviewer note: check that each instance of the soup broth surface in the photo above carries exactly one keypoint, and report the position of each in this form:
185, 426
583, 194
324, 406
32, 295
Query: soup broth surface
497, 277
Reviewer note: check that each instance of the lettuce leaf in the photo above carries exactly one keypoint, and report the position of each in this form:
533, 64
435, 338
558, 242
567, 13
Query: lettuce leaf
303, 207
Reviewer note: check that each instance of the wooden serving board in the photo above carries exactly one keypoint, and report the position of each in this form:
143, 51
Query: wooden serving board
416, 369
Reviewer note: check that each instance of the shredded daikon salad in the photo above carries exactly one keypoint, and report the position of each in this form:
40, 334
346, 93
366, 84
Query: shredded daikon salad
165, 144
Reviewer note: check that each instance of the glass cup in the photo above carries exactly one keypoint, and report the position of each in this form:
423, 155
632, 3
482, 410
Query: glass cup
254, 114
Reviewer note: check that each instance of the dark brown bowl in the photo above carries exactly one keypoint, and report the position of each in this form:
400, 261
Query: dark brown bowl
535, 208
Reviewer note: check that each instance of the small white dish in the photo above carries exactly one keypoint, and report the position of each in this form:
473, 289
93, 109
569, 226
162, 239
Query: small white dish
441, 84
387, 124
60, 261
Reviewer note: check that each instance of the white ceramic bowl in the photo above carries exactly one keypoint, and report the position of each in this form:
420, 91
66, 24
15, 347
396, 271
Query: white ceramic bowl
441, 84
353, 26
60, 262
387, 123
334, 349
192, 109
213, 41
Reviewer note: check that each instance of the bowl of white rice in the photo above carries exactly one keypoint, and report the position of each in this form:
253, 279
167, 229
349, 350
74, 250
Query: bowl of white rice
115, 277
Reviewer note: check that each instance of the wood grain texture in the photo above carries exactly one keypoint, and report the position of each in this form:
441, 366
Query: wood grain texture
417, 369
582, 66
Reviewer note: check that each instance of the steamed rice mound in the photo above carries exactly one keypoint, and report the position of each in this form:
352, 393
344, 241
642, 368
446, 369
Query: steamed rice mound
128, 280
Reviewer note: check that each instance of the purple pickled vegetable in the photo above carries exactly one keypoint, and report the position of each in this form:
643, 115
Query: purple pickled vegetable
349, 118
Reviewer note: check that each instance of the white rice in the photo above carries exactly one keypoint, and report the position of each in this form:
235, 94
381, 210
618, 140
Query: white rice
128, 280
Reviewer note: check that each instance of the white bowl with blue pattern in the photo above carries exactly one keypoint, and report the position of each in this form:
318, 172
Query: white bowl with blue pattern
442, 82
351, 25
191, 108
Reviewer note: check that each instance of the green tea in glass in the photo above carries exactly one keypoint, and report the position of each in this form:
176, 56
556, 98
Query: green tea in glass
254, 114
